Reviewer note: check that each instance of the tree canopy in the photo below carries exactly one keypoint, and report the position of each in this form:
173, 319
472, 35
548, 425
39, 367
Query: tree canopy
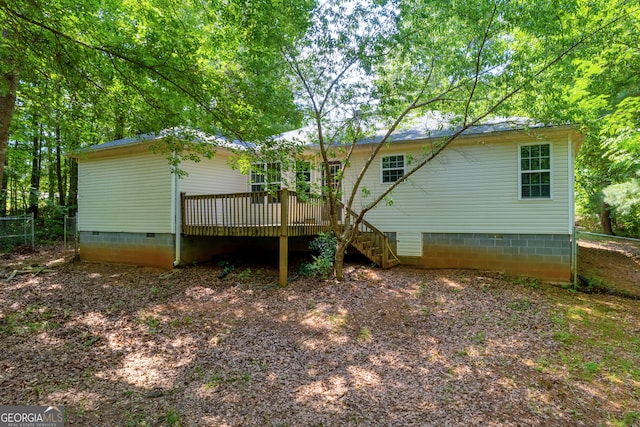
85, 72
130, 67
366, 66
599, 91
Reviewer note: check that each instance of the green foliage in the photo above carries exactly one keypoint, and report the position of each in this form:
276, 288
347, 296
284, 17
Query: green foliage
152, 323
628, 420
624, 200
597, 88
322, 265
218, 379
172, 418
364, 334
32, 320
227, 268
91, 340
97, 71
51, 227
528, 282
368, 69
244, 274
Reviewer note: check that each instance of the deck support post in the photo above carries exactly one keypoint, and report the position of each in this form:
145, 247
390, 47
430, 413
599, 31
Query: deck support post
284, 260
284, 237
385, 252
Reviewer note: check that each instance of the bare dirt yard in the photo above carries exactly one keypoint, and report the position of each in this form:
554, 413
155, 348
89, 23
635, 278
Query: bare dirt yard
127, 346
611, 264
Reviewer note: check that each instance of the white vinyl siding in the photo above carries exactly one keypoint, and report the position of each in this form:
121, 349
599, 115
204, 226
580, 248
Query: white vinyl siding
130, 193
472, 187
212, 176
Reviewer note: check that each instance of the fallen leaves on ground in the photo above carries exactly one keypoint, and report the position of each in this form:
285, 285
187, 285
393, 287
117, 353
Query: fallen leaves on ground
119, 345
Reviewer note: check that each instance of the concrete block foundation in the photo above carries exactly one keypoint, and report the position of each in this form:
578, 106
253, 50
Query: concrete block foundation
546, 256
158, 250
146, 249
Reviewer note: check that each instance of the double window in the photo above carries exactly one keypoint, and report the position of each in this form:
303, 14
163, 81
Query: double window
266, 177
334, 176
535, 171
392, 168
303, 178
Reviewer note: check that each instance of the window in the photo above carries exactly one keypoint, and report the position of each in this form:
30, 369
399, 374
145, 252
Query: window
334, 180
392, 168
303, 178
266, 177
257, 178
535, 171
334, 177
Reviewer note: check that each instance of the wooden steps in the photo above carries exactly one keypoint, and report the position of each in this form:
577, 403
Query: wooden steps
283, 214
373, 244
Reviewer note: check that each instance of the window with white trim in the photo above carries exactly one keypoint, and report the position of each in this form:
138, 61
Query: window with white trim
392, 168
266, 177
335, 169
535, 171
303, 177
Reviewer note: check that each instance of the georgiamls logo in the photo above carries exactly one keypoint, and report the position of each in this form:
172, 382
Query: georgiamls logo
53, 408
31, 416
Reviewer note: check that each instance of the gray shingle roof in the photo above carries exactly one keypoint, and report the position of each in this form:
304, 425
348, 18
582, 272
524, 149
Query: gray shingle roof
432, 126
124, 141
428, 127
185, 134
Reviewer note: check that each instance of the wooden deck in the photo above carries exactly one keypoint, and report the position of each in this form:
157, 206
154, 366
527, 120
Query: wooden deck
257, 214
281, 214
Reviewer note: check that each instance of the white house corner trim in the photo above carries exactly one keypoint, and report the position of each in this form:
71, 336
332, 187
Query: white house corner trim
571, 183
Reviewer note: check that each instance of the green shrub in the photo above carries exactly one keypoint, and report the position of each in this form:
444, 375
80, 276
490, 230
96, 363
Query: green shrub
624, 200
322, 264
50, 227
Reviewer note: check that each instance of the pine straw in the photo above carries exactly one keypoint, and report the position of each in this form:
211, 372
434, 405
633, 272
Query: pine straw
120, 345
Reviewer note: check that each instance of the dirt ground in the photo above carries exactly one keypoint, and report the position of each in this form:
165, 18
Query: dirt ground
127, 346
612, 264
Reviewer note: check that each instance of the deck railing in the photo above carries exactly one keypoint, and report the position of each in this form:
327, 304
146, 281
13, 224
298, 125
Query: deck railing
253, 214
372, 242
282, 213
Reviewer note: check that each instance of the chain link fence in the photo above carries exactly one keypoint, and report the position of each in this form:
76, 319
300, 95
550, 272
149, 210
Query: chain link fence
608, 264
16, 231
71, 233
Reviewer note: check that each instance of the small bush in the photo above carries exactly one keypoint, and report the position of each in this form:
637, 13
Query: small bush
322, 265
50, 226
624, 200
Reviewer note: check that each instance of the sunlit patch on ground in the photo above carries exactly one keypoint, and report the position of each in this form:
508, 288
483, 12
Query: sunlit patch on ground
142, 371
120, 345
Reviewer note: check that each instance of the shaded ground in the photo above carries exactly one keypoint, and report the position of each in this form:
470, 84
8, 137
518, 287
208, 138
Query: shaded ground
613, 264
132, 346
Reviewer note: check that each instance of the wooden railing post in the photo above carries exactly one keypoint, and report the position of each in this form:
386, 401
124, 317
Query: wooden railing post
284, 236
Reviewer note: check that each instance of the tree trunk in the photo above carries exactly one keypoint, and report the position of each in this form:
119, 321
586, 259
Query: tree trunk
60, 178
7, 105
36, 153
13, 200
51, 175
72, 200
119, 129
3, 196
338, 262
605, 219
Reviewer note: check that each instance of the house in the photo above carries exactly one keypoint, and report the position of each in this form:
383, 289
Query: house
500, 197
